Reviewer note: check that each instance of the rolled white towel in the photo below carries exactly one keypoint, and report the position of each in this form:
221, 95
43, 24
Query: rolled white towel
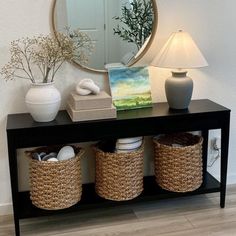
129, 140
125, 151
129, 146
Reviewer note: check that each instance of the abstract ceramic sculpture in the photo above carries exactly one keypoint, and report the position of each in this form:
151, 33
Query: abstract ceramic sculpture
86, 87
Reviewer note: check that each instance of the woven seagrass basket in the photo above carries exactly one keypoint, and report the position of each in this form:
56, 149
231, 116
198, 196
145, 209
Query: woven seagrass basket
55, 185
178, 162
119, 176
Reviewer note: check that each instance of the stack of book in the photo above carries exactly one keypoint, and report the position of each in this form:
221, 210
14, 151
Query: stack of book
90, 107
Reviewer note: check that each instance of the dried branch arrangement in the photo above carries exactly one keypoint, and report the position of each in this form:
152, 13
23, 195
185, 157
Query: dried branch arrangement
39, 58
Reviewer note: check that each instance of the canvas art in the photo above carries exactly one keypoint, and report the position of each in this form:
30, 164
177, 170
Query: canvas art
130, 87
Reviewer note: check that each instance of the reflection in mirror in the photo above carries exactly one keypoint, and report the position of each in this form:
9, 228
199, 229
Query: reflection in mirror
121, 30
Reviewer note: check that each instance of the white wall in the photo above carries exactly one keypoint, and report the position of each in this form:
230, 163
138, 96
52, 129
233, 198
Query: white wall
211, 24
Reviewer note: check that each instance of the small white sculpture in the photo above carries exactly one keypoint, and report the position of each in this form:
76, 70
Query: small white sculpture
86, 87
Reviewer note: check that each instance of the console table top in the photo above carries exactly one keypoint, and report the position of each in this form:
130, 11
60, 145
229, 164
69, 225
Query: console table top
24, 120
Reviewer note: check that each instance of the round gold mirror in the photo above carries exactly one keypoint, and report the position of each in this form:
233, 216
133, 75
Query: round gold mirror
121, 31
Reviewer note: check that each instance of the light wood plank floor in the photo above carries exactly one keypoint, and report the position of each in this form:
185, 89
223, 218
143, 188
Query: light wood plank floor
189, 216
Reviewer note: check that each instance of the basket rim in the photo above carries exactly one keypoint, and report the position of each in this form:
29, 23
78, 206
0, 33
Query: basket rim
155, 140
77, 156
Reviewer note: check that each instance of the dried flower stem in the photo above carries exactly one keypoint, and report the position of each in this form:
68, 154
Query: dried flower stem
45, 54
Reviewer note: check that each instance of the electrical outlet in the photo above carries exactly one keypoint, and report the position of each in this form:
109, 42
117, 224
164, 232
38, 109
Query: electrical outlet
211, 150
215, 146
217, 143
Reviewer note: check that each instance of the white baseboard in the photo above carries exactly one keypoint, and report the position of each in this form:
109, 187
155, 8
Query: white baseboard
231, 179
6, 209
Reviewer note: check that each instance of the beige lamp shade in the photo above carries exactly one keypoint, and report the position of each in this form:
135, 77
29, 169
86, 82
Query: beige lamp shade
180, 52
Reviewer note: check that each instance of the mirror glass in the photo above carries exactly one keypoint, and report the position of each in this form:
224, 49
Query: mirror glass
120, 30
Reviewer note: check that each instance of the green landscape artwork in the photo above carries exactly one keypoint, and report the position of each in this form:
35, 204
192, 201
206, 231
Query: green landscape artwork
130, 87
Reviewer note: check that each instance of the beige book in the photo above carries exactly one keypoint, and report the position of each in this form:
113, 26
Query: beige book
91, 114
91, 101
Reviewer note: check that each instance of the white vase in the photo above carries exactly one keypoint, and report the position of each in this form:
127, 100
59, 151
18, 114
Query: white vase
43, 101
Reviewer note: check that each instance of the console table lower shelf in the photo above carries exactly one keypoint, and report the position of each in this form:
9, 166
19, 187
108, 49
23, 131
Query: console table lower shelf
91, 200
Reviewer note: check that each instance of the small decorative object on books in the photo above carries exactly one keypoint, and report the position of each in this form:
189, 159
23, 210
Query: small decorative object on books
130, 87
86, 87
38, 59
90, 107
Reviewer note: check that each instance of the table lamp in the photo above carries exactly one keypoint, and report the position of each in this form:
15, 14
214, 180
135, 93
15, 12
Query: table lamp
179, 53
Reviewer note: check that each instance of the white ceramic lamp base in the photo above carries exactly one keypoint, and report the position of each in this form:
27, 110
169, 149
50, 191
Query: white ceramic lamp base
179, 90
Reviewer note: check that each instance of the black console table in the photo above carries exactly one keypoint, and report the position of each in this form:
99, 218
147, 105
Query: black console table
202, 115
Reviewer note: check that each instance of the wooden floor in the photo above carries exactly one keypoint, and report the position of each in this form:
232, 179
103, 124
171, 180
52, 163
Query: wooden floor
190, 216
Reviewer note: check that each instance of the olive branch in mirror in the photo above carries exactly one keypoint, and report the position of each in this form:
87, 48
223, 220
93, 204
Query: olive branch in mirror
137, 20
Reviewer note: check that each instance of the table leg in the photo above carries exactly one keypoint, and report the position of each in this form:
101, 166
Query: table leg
14, 184
224, 160
204, 154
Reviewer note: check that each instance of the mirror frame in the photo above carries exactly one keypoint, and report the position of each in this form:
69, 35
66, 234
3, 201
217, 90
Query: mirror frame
89, 69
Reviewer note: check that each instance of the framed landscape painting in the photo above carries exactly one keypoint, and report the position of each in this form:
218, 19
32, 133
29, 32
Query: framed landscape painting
130, 87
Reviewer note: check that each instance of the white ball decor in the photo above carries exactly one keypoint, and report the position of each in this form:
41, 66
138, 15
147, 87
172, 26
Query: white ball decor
65, 153
52, 159
86, 87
